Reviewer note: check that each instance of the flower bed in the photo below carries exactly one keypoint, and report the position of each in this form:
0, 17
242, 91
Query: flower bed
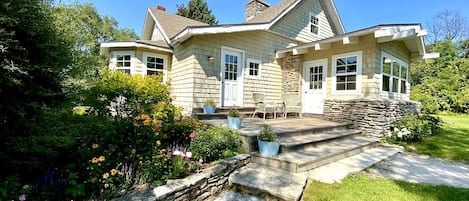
200, 186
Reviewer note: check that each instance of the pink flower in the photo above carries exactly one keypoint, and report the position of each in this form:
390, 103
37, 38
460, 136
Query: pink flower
22, 197
192, 135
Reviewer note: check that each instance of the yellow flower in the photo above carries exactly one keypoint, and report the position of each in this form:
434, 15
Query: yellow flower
95, 146
114, 172
105, 175
101, 159
134, 151
158, 143
95, 160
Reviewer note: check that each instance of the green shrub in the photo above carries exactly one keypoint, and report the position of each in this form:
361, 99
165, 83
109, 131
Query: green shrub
181, 129
413, 128
215, 143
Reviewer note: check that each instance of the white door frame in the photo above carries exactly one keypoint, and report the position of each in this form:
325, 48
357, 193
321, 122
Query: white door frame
240, 75
322, 62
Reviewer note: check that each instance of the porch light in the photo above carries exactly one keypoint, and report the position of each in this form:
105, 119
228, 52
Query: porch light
211, 59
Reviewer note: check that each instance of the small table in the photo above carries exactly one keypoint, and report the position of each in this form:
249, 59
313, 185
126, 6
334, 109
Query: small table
279, 107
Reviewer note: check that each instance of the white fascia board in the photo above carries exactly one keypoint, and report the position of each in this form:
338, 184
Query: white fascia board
298, 51
189, 32
133, 44
166, 38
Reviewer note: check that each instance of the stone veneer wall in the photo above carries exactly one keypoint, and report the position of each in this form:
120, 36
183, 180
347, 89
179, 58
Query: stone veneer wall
373, 116
291, 73
199, 186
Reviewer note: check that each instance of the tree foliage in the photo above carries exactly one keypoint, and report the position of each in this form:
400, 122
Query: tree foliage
32, 60
84, 29
197, 10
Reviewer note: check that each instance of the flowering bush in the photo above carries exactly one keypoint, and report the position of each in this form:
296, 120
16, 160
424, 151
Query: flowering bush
413, 128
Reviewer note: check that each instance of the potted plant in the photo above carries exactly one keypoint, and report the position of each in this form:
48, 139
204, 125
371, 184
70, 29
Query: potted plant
268, 141
209, 106
234, 119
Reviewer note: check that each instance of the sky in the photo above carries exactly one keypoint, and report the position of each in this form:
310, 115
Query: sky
355, 14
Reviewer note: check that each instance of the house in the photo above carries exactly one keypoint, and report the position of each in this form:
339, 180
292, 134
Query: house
296, 46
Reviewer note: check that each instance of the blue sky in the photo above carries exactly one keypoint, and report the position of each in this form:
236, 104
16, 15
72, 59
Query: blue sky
355, 14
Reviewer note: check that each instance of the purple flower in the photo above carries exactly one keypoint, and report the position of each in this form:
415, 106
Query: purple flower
22, 197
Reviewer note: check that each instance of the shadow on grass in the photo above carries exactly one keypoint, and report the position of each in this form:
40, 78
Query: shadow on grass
429, 192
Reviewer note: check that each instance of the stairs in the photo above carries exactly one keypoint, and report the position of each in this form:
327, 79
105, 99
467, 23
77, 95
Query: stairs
221, 112
309, 148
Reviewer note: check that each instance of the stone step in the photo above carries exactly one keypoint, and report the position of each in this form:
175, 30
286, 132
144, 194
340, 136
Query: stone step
315, 155
299, 130
291, 142
269, 183
336, 171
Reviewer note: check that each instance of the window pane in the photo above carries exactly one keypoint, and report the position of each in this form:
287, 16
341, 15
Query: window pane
340, 86
351, 86
395, 84
385, 83
351, 78
151, 59
403, 87
159, 66
159, 60
352, 60
341, 69
386, 65
151, 65
395, 69
127, 64
340, 62
352, 68
341, 78
127, 57
404, 72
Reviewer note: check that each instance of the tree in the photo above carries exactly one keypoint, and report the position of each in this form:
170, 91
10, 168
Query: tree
447, 25
197, 10
84, 28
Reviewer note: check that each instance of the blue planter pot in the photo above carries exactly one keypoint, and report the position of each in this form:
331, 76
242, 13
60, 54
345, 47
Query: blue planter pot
234, 122
209, 109
267, 148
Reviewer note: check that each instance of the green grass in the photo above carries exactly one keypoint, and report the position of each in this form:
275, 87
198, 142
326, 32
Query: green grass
450, 143
361, 187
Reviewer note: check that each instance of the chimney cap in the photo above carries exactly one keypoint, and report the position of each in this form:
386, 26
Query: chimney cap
160, 8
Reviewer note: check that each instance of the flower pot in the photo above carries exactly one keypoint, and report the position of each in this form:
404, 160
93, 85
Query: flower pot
267, 148
209, 109
234, 122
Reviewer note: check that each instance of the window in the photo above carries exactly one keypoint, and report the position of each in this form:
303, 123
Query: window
254, 68
122, 61
314, 23
155, 65
346, 71
394, 75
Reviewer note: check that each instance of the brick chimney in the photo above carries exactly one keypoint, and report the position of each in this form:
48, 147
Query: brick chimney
161, 8
255, 7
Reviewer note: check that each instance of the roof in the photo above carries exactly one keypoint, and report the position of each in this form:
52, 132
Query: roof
271, 13
154, 45
411, 34
172, 24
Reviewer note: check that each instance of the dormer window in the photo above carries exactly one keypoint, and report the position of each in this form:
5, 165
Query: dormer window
314, 23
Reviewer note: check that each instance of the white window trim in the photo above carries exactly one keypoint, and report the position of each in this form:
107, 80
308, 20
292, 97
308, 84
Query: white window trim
391, 93
259, 74
113, 61
311, 14
358, 89
165, 64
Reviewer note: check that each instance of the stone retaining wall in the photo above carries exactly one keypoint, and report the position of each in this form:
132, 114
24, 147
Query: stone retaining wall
373, 116
199, 186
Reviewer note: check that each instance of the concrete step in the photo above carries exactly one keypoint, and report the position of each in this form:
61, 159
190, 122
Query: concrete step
268, 183
218, 115
292, 142
315, 155
336, 171
299, 130
225, 109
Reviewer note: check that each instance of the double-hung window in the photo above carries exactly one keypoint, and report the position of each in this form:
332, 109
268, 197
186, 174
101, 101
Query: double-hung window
155, 64
394, 75
254, 68
346, 71
122, 61
314, 23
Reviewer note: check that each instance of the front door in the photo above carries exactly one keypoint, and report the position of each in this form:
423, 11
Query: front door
231, 70
314, 86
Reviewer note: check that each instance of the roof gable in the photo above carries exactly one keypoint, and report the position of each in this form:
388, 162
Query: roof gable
271, 13
169, 24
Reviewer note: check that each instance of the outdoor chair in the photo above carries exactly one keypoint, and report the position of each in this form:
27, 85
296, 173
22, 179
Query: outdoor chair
292, 104
262, 106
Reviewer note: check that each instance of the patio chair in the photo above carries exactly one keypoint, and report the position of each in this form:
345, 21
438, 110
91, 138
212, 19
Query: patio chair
262, 106
292, 104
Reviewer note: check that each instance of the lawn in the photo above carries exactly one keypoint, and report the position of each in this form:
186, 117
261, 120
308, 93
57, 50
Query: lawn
362, 187
450, 143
